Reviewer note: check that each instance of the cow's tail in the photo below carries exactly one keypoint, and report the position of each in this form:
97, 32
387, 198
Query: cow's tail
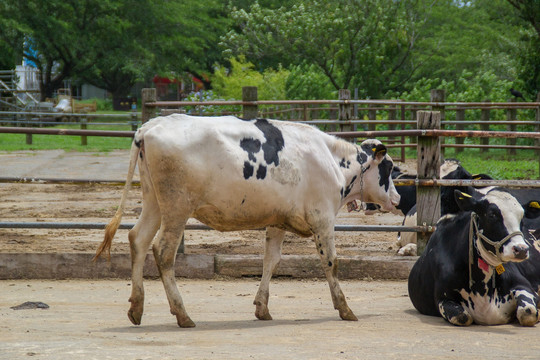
113, 225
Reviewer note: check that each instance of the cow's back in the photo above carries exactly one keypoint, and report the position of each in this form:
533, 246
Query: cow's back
240, 174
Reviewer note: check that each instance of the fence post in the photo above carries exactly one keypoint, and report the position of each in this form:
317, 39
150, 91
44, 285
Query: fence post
428, 199
372, 115
484, 116
28, 136
392, 114
345, 111
460, 116
439, 95
133, 121
249, 93
511, 115
84, 122
537, 129
148, 112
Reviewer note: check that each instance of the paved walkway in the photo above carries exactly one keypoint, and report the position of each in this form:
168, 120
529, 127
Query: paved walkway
61, 164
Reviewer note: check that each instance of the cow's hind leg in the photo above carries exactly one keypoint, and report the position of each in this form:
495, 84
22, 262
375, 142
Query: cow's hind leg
327, 252
454, 313
140, 238
272, 256
169, 237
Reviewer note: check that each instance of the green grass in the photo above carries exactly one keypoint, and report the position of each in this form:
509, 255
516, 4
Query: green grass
524, 165
496, 162
17, 142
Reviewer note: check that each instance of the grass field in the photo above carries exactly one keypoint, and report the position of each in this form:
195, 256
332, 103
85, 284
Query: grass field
496, 162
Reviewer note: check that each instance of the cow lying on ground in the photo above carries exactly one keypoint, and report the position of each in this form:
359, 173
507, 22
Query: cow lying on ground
475, 267
450, 169
233, 174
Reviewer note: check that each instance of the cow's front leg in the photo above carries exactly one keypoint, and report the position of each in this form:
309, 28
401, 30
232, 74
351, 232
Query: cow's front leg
454, 313
272, 256
165, 249
327, 252
527, 307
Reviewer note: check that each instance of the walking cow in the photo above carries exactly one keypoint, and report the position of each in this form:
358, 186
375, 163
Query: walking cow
234, 174
478, 266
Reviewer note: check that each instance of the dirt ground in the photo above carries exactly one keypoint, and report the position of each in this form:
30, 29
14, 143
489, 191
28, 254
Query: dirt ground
97, 204
87, 320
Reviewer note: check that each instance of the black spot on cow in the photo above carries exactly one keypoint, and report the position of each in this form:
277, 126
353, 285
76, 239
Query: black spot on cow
251, 146
348, 188
274, 141
361, 157
261, 172
271, 146
385, 169
248, 170
344, 164
367, 148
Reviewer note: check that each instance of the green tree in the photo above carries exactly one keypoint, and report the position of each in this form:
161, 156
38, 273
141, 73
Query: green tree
61, 37
113, 43
228, 82
529, 11
365, 44
166, 37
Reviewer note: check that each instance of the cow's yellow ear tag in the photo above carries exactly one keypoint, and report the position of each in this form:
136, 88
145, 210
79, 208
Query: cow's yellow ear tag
464, 195
373, 149
500, 269
535, 205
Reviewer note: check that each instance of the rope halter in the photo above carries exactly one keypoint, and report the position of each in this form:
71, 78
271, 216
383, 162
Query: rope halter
476, 239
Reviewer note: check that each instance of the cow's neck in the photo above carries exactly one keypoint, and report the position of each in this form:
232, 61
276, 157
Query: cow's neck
482, 263
351, 161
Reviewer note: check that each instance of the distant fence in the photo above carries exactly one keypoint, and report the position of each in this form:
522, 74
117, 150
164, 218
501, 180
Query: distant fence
428, 130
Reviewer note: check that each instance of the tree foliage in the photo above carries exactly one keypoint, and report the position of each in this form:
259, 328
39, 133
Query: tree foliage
113, 43
365, 44
228, 82
62, 37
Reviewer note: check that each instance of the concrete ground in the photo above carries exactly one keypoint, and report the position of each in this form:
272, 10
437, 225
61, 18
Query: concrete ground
87, 320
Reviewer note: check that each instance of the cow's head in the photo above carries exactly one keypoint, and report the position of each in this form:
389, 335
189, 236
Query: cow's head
377, 184
499, 220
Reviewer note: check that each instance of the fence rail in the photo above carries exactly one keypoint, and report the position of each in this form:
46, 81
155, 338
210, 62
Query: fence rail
346, 124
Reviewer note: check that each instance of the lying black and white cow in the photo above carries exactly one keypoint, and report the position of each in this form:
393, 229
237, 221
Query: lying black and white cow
233, 174
475, 267
450, 169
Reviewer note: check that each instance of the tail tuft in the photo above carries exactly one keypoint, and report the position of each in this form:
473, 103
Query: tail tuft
110, 231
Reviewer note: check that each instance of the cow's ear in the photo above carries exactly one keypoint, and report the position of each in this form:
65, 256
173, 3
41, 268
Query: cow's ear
465, 201
532, 209
379, 152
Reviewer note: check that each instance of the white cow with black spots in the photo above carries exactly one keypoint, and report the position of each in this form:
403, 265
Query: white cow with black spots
234, 174
479, 266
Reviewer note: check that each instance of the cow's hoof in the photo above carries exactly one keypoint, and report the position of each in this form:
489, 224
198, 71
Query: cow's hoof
263, 314
527, 316
134, 316
347, 315
462, 319
185, 322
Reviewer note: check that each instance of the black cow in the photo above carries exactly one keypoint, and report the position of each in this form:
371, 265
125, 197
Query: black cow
475, 266
450, 169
